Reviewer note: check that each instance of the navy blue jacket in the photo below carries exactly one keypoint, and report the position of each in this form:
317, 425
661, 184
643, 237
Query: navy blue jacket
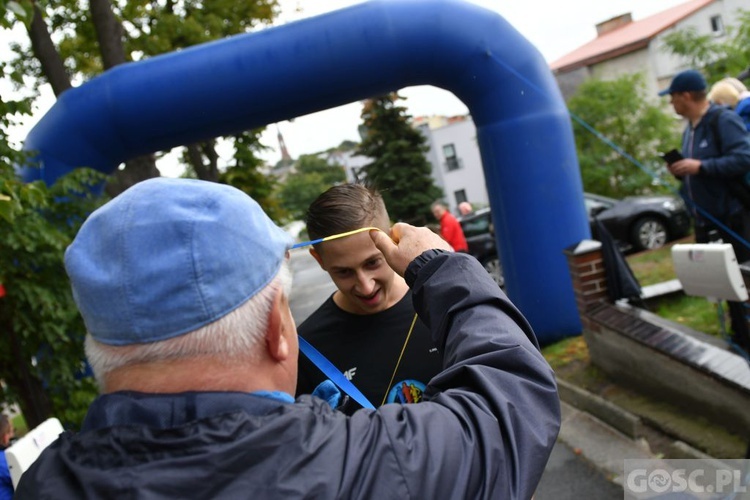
6, 483
743, 109
723, 158
485, 429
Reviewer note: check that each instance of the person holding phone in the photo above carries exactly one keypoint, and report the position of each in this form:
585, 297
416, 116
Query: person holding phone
715, 154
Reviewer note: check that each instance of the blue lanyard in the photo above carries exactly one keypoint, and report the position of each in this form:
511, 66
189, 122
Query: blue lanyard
333, 373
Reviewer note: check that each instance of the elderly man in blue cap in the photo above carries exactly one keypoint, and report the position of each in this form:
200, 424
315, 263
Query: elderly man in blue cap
183, 287
716, 159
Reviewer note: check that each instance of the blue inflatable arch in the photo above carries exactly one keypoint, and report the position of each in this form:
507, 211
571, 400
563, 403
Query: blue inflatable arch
251, 80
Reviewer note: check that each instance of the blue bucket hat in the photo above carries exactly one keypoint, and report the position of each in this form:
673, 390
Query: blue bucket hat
168, 256
686, 81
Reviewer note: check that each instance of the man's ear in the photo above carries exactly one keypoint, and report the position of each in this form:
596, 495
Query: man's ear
276, 340
317, 257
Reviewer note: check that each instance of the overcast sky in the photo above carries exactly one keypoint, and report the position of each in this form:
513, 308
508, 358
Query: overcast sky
555, 28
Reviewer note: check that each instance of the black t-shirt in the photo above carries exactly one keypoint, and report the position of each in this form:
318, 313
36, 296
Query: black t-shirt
366, 349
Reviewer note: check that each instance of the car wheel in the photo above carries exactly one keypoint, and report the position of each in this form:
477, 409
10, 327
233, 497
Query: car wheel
649, 233
492, 266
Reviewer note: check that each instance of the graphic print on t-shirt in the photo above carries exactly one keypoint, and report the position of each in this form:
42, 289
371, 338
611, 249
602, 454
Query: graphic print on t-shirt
406, 391
368, 349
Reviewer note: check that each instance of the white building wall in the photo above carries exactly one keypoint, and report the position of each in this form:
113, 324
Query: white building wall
657, 64
352, 163
666, 65
469, 177
626, 65
432, 157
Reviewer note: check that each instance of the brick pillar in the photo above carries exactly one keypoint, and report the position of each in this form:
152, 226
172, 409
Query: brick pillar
586, 265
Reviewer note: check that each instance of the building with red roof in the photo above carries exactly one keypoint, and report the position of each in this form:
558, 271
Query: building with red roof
625, 46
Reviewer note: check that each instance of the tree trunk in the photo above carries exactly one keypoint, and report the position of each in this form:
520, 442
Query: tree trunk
44, 50
208, 170
109, 34
32, 398
136, 170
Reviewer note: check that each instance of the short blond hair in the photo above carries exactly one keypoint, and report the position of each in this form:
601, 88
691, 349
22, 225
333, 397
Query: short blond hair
724, 93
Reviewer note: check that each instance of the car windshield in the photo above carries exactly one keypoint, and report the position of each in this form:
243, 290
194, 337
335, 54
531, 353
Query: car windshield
593, 205
476, 226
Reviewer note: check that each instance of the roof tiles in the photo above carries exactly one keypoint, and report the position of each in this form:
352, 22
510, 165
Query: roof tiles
627, 38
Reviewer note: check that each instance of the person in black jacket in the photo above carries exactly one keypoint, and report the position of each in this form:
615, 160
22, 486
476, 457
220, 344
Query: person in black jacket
183, 288
716, 159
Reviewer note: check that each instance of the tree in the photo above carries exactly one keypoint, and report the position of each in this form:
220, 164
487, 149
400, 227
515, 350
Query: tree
399, 170
41, 352
41, 348
245, 175
718, 58
346, 145
112, 33
311, 177
51, 66
618, 110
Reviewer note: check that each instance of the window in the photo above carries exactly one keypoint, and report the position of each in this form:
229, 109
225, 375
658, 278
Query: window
451, 160
460, 196
717, 25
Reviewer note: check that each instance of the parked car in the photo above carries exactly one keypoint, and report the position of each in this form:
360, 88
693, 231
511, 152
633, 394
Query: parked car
480, 236
640, 222
636, 222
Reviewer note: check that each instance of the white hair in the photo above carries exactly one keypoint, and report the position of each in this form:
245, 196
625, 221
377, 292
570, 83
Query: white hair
235, 335
724, 93
737, 84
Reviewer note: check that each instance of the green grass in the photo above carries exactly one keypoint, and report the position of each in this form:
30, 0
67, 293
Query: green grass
19, 425
654, 266
698, 313
565, 352
695, 312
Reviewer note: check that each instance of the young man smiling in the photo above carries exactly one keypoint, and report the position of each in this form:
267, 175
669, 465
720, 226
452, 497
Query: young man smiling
368, 328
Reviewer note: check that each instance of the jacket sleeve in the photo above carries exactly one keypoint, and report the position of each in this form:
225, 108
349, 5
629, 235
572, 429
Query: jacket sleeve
492, 415
734, 159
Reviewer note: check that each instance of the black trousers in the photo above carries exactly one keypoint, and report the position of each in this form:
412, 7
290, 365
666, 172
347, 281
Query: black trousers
738, 311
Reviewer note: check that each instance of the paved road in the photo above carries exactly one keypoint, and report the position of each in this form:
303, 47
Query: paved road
310, 286
568, 476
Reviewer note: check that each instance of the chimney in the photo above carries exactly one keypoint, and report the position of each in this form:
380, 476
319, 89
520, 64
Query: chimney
612, 24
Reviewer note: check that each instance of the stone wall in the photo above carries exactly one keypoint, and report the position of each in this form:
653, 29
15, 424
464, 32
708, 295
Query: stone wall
658, 357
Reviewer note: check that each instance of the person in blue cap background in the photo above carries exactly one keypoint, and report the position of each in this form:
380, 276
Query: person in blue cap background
716, 159
183, 288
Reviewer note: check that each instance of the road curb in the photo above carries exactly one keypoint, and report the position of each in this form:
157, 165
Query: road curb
625, 422
601, 445
630, 425
682, 450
